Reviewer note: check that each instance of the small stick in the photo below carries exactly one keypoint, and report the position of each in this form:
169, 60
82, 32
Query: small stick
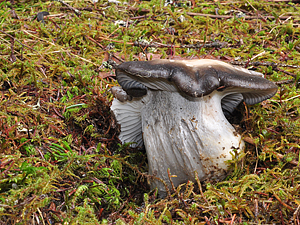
170, 178
283, 203
93, 40
272, 64
17, 40
284, 81
283, 1
159, 45
296, 214
229, 17
76, 11
293, 162
286, 72
199, 185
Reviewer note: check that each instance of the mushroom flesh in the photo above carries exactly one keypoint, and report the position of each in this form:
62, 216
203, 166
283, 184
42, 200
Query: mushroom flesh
176, 110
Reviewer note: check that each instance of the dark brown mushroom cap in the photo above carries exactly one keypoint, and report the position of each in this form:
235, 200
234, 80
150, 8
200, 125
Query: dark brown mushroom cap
195, 78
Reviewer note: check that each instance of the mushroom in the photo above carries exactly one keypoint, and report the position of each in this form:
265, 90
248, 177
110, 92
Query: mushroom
176, 109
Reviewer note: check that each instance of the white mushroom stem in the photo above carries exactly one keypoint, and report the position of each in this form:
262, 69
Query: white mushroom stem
182, 133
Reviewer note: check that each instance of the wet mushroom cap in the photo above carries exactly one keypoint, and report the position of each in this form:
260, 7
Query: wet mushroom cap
195, 78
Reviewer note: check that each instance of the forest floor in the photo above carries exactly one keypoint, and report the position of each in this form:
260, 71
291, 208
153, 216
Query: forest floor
61, 161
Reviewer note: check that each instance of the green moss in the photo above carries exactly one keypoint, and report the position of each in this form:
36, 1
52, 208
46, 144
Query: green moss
60, 159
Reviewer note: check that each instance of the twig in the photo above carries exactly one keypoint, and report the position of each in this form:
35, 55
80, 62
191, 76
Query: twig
229, 17
211, 15
160, 45
283, 1
93, 40
174, 17
83, 59
285, 100
25, 31
293, 162
241, 10
170, 178
17, 40
258, 55
12, 57
41, 215
199, 186
139, 17
130, 8
286, 72
272, 64
257, 157
111, 40
89, 9
296, 214
67, 51
10, 165
55, 110
76, 11
283, 203
200, 45
232, 219
284, 81
116, 57
42, 155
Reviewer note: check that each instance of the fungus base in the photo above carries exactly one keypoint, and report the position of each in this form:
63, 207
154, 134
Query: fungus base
186, 135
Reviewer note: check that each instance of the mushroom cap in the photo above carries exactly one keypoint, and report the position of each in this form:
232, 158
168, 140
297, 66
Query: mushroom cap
194, 78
